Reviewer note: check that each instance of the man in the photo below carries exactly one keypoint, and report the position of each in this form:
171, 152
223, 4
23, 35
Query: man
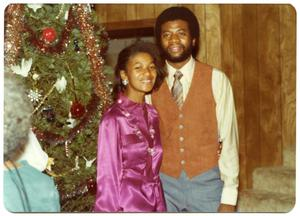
197, 113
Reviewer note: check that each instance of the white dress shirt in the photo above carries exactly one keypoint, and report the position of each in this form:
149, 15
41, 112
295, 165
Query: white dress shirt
227, 124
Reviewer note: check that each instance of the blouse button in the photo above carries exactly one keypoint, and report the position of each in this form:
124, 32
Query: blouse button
181, 150
180, 115
180, 126
182, 162
181, 139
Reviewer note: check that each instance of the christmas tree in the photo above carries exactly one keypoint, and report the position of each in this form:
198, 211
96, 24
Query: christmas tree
58, 51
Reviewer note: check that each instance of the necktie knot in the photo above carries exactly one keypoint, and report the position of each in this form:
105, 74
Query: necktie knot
178, 75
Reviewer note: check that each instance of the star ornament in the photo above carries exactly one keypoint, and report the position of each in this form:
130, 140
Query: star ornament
34, 95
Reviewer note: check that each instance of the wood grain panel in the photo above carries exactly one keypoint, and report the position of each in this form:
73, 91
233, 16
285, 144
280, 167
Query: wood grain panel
116, 12
269, 84
251, 81
158, 8
131, 12
101, 11
288, 74
237, 80
213, 36
227, 39
199, 10
145, 11
232, 64
189, 6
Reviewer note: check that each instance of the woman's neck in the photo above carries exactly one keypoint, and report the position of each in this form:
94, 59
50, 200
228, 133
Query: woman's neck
137, 98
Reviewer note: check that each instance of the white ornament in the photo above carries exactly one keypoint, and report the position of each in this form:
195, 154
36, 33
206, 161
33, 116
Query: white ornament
70, 121
76, 164
34, 7
88, 163
34, 96
61, 84
66, 15
22, 69
35, 76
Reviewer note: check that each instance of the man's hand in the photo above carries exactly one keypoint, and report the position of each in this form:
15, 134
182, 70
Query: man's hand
226, 208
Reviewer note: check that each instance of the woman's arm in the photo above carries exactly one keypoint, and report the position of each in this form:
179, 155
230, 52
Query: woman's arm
108, 167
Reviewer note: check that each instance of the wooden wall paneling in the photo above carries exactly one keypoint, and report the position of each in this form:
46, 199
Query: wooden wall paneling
226, 39
131, 12
101, 12
199, 10
251, 92
232, 65
269, 84
116, 12
158, 8
145, 11
189, 6
213, 36
288, 74
237, 80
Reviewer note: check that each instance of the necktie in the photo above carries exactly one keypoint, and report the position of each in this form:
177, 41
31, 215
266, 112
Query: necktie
177, 89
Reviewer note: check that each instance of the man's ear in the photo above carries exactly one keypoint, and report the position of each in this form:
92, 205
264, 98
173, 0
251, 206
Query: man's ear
123, 75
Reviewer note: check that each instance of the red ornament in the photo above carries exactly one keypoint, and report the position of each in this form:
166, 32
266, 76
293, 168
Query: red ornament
49, 34
91, 185
77, 109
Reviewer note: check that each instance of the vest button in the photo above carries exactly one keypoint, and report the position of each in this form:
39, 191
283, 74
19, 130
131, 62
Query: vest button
181, 150
180, 126
182, 162
181, 139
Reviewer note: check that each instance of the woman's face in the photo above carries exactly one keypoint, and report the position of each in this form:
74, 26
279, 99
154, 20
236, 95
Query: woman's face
141, 75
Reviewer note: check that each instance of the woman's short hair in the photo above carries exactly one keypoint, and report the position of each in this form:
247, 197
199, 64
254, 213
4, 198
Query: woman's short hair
131, 50
17, 112
179, 13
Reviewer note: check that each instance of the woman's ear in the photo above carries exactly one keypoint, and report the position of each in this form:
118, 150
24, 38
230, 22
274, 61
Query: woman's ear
194, 42
123, 75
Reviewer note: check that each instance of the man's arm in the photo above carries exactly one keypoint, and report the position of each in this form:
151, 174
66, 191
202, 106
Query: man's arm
228, 135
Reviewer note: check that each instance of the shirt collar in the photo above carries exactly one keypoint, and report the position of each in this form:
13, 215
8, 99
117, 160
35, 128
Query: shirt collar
187, 70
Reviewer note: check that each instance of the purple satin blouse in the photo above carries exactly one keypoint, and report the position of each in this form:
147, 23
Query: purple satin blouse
129, 158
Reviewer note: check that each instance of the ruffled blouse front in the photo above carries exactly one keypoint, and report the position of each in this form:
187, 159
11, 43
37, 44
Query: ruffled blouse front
129, 159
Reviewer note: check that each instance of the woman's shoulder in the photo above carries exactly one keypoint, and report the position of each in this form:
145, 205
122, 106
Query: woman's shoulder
113, 112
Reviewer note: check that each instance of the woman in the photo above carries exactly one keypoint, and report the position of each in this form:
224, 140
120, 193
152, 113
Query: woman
26, 189
129, 147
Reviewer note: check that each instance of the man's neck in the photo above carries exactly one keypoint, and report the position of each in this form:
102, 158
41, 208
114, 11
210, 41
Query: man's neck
179, 65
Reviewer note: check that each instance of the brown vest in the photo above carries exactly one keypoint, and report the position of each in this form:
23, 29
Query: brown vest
189, 136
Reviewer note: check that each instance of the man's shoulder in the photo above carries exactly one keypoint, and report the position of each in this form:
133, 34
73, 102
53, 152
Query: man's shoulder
201, 66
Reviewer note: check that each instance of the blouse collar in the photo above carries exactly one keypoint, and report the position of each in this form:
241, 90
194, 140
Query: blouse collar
128, 104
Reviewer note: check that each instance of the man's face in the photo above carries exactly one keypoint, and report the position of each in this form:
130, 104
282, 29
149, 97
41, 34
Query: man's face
176, 41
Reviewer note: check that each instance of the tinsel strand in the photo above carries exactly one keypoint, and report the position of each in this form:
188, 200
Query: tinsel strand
14, 20
93, 52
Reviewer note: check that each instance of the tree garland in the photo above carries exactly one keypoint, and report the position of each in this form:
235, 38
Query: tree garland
60, 46
78, 15
94, 52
